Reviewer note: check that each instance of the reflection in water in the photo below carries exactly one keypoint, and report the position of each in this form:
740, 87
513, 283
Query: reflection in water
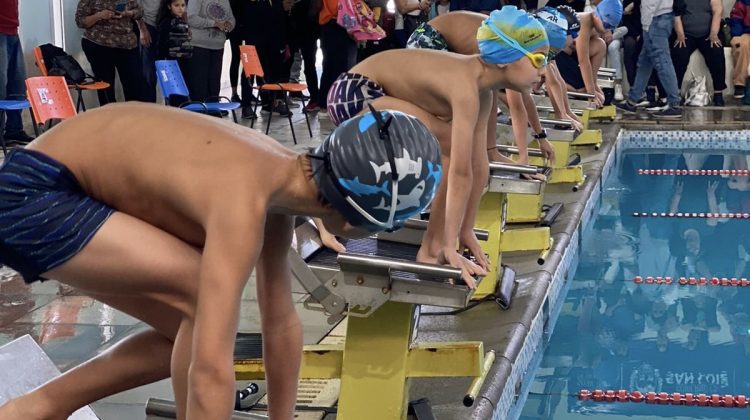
615, 334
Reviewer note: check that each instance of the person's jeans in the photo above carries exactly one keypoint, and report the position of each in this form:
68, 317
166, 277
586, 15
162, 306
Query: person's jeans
655, 54
148, 57
339, 55
614, 59
12, 79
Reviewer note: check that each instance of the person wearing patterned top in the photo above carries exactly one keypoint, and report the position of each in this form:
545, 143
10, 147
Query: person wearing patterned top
110, 43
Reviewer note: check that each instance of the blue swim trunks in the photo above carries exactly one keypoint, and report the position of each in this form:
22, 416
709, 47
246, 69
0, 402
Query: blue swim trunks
349, 95
45, 216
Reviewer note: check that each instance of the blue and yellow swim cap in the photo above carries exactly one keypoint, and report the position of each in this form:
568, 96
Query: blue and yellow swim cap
556, 26
519, 26
610, 12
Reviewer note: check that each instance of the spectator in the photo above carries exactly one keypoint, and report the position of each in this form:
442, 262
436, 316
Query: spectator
147, 26
266, 21
440, 7
12, 71
339, 49
304, 33
174, 34
698, 28
110, 44
210, 21
739, 22
414, 12
657, 20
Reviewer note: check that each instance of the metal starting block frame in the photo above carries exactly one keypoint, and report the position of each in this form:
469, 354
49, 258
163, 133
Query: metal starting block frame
566, 169
381, 295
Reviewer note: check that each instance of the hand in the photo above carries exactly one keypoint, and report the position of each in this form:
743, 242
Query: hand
288, 4
330, 241
548, 150
680, 41
711, 189
145, 38
607, 37
125, 14
105, 14
577, 125
598, 99
714, 40
678, 186
469, 241
451, 257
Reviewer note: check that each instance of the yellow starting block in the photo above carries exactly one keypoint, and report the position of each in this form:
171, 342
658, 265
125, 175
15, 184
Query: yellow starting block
492, 216
380, 297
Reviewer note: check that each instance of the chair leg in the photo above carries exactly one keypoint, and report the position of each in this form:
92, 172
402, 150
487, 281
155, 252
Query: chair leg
270, 114
34, 123
307, 120
234, 116
81, 105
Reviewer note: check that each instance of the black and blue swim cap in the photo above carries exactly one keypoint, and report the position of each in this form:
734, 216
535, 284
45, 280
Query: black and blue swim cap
378, 169
574, 24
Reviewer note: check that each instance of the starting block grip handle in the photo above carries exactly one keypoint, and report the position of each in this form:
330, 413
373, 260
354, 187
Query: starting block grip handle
580, 95
366, 263
521, 169
514, 150
167, 409
550, 121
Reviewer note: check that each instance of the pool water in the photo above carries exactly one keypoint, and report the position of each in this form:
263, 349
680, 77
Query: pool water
613, 333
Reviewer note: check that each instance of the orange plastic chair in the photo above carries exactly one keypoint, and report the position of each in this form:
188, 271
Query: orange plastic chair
251, 67
50, 100
80, 104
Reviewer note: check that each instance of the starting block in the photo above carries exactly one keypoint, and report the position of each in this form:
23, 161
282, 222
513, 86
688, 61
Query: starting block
566, 169
378, 286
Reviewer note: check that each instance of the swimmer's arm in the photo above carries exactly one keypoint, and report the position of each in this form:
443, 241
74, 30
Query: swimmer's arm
280, 324
531, 112
460, 176
479, 161
234, 237
492, 123
584, 62
520, 124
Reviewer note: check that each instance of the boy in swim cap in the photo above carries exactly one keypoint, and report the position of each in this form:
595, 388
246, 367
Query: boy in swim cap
512, 54
169, 228
455, 32
580, 62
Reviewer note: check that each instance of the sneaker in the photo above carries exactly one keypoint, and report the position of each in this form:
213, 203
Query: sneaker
627, 106
248, 114
660, 105
651, 94
311, 106
19, 138
739, 92
718, 99
670, 112
618, 92
643, 103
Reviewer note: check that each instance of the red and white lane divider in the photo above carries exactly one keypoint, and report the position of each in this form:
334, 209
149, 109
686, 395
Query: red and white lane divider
725, 172
694, 215
694, 281
675, 398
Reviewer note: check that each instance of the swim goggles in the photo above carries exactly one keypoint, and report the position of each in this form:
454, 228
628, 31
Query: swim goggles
538, 60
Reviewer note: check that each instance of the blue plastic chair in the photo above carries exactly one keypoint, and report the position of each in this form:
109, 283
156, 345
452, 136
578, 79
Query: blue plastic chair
9, 105
172, 83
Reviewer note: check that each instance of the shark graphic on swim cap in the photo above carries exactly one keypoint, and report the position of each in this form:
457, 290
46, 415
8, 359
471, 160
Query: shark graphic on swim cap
610, 12
519, 26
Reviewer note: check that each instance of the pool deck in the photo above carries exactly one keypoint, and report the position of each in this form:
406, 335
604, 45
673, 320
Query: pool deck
72, 328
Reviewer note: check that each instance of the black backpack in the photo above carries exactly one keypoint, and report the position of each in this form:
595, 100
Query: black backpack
60, 63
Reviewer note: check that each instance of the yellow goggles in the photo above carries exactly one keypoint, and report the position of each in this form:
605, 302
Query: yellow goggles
538, 60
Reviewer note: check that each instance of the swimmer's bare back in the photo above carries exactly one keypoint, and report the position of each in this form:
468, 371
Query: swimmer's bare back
166, 166
420, 76
459, 29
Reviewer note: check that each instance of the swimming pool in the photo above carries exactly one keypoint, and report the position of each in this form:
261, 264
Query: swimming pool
616, 331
